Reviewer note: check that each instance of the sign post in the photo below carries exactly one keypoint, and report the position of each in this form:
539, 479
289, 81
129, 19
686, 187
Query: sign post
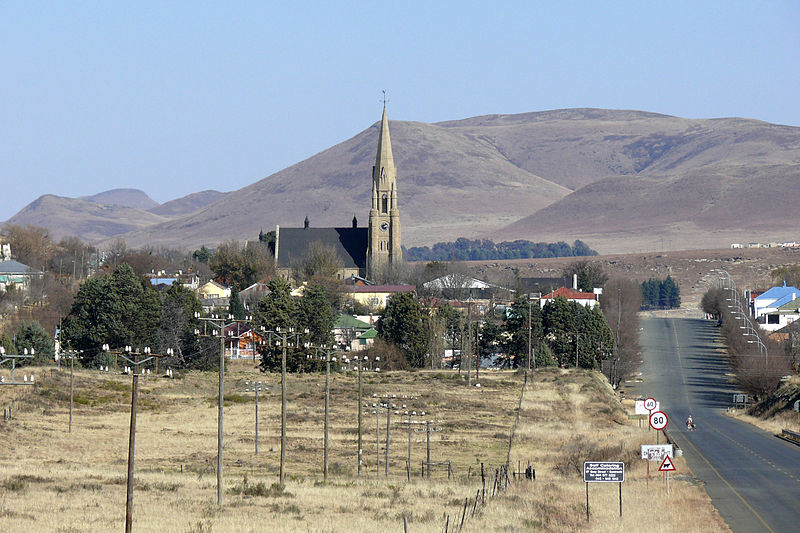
603, 472
655, 452
667, 466
658, 421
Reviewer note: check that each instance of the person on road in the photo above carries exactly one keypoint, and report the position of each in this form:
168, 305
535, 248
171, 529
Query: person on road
690, 423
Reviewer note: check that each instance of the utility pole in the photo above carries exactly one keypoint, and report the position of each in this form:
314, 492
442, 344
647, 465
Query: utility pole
219, 324
135, 363
256, 389
284, 340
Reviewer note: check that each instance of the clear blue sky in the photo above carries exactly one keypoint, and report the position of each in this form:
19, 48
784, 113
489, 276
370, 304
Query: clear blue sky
178, 97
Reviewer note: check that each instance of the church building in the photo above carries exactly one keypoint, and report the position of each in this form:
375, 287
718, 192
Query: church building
364, 252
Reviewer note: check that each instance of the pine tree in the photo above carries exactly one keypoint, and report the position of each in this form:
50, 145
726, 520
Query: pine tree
403, 325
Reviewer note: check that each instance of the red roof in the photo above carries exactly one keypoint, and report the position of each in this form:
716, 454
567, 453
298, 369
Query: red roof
569, 294
382, 288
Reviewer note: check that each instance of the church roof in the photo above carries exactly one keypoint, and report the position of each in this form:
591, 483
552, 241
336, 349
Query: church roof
350, 244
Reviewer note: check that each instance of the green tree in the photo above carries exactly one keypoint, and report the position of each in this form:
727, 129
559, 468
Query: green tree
7, 343
278, 310
403, 324
120, 309
34, 337
318, 315
203, 255
516, 328
451, 321
235, 307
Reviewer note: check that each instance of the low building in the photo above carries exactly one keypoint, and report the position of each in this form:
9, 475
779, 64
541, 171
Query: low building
586, 299
15, 274
213, 290
375, 297
767, 307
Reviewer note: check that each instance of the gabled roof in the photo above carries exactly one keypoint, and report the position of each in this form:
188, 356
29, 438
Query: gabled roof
348, 321
777, 293
380, 288
369, 334
569, 294
15, 267
350, 244
788, 307
213, 284
454, 281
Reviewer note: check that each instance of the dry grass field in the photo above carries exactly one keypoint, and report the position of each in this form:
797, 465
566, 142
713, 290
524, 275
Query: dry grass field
52, 480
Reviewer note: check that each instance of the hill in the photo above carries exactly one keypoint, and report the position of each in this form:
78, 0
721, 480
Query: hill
618, 180
187, 204
88, 220
124, 198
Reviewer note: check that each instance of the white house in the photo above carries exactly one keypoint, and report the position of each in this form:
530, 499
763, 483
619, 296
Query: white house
773, 309
586, 299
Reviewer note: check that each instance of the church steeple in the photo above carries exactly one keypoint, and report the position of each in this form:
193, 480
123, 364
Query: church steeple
384, 157
384, 248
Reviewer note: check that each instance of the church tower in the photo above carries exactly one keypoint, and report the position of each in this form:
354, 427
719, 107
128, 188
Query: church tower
383, 248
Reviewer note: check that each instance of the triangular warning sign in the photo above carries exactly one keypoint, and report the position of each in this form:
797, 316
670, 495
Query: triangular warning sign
666, 465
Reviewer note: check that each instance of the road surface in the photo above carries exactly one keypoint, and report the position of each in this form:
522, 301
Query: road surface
752, 477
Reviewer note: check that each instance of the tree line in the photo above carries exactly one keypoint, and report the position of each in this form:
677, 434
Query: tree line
660, 294
484, 249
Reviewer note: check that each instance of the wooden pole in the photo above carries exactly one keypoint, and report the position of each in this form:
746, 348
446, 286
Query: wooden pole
283, 412
388, 419
131, 449
409, 446
219, 414
587, 502
378, 437
257, 387
71, 381
327, 405
428, 445
360, 450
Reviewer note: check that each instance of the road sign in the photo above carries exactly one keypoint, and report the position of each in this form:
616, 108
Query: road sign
651, 404
658, 420
656, 452
641, 409
666, 465
603, 472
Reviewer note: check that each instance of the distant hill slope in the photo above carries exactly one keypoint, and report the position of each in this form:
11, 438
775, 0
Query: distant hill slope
89, 220
187, 204
619, 180
124, 198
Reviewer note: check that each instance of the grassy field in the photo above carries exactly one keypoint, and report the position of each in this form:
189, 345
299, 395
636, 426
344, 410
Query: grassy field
52, 480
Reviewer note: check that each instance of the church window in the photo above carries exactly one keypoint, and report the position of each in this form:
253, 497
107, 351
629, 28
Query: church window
384, 203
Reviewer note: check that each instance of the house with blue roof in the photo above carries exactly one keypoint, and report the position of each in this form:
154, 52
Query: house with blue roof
772, 309
14, 273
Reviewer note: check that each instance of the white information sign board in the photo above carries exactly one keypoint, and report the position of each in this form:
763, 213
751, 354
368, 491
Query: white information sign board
641, 409
656, 452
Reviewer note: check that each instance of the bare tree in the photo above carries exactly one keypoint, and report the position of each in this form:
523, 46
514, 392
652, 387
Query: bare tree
620, 303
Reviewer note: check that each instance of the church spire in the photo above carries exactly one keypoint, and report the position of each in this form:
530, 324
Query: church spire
384, 158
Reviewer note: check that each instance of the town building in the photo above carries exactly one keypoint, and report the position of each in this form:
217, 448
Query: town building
364, 252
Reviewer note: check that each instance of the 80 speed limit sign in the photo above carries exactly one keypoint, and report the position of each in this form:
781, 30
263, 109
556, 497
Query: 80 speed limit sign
658, 420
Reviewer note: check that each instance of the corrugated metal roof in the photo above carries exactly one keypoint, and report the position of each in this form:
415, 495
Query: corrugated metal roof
15, 267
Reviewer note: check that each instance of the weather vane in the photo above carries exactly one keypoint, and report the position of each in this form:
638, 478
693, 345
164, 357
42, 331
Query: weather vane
384, 98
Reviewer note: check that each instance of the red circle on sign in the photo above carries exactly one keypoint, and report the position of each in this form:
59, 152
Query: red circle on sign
650, 404
658, 420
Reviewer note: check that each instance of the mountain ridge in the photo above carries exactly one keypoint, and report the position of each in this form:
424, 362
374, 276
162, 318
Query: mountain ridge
561, 174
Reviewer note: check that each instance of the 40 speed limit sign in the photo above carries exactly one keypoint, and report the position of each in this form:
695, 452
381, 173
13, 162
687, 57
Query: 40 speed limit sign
658, 420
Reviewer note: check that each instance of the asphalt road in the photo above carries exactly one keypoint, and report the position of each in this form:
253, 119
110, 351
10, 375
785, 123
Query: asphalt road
752, 477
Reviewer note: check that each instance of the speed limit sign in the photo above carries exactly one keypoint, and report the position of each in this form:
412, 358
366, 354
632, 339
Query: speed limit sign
650, 404
658, 420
